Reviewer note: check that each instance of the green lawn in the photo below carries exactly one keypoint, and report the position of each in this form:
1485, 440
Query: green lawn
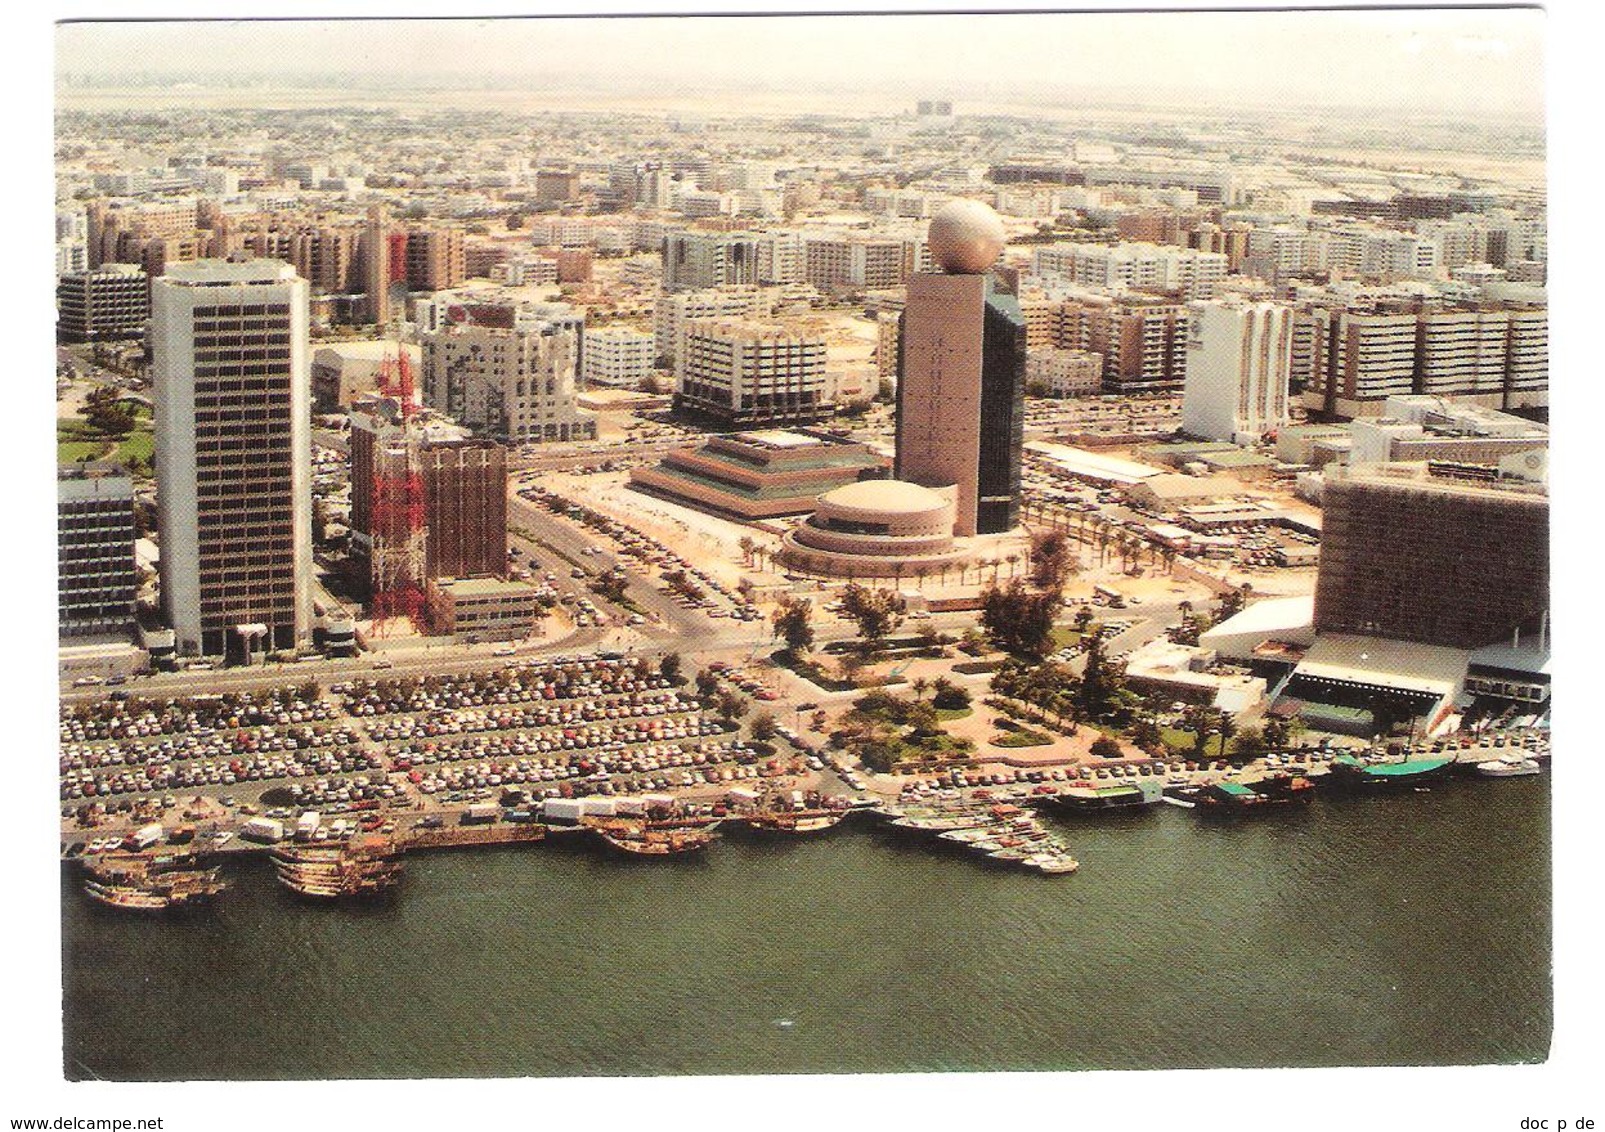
137, 445
1024, 737
72, 451
946, 713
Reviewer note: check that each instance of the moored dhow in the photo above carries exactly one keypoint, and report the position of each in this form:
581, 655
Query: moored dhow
1237, 797
147, 884
363, 867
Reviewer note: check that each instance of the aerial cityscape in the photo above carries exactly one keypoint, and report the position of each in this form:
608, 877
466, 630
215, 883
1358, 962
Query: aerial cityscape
673, 577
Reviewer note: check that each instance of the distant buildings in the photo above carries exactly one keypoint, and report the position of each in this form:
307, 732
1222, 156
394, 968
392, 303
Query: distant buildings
1351, 357
675, 311
1063, 373
508, 372
95, 572
694, 259
229, 370
110, 302
1186, 272
1238, 358
1414, 556
342, 372
741, 372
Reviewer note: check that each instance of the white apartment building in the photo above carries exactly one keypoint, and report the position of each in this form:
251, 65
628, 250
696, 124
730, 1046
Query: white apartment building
515, 384
860, 261
694, 259
744, 372
675, 311
230, 372
1065, 373
1238, 360
617, 355
1462, 353
1147, 267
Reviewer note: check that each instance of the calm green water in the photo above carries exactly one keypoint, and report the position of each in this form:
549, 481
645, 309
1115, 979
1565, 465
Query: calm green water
1407, 929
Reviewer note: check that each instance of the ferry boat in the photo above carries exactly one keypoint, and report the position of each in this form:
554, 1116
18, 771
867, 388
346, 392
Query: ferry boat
1119, 796
1511, 766
1236, 797
1349, 772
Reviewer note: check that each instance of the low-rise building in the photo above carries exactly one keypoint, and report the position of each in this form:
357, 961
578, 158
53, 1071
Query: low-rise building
485, 609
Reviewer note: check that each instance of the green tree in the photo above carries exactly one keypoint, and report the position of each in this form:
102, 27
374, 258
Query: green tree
1225, 727
669, 666
1250, 744
1201, 722
876, 612
1052, 561
707, 683
1145, 734
948, 696
1018, 620
1231, 603
792, 618
1102, 683
1104, 747
107, 413
730, 706
763, 726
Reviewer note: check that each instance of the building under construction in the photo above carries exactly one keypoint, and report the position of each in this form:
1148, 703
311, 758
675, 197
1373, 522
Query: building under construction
427, 502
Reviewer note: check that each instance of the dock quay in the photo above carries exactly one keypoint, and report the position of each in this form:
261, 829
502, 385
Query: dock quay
465, 836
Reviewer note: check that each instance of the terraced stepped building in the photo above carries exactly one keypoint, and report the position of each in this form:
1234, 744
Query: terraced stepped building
762, 474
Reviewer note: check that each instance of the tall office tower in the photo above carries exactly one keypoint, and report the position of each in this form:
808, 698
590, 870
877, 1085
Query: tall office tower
110, 302
1416, 557
231, 382
95, 577
1238, 360
509, 373
695, 259
752, 373
961, 385
376, 266
460, 530
465, 508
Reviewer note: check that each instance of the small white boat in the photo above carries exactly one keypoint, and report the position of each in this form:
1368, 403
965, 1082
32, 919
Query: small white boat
1511, 766
1182, 802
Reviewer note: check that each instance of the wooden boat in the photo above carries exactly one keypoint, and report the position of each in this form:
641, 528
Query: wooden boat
361, 867
150, 884
1241, 797
646, 839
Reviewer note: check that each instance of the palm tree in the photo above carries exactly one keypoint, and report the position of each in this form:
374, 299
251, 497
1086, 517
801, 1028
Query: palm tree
920, 684
747, 546
1014, 564
1226, 727
921, 572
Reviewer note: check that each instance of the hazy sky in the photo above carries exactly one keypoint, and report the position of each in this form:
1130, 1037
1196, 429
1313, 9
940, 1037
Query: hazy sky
1459, 60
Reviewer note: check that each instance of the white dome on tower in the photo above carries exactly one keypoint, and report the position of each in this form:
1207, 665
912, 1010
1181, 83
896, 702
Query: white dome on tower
966, 237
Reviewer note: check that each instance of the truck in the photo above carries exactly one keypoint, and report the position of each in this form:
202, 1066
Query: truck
306, 826
269, 831
480, 813
599, 807
144, 837
563, 810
